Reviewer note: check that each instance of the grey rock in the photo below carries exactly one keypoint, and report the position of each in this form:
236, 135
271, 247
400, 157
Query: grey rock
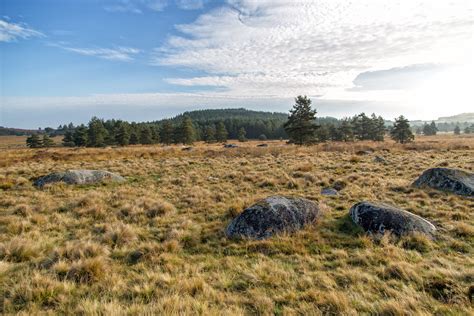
230, 146
378, 218
445, 179
262, 145
78, 177
329, 191
364, 152
379, 159
187, 148
273, 215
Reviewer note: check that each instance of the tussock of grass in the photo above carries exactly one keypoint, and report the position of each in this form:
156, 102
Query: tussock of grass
156, 244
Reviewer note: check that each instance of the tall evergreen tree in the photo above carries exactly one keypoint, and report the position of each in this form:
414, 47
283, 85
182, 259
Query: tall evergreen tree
346, 131
47, 141
122, 136
300, 126
430, 129
96, 133
80, 136
166, 133
189, 133
401, 131
241, 137
33, 141
146, 137
457, 130
68, 140
221, 132
210, 134
378, 128
134, 139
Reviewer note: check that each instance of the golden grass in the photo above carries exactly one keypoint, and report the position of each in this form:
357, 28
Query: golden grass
155, 245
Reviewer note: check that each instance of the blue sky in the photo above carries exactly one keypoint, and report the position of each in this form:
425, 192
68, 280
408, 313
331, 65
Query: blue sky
67, 60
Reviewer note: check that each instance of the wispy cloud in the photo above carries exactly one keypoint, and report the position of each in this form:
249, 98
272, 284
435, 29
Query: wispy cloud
283, 48
10, 32
190, 4
137, 6
116, 54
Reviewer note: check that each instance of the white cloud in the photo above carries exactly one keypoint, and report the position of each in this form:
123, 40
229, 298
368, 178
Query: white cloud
137, 6
284, 48
190, 4
11, 31
116, 54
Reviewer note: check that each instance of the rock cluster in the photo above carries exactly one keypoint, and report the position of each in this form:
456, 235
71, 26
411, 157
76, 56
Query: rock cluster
78, 177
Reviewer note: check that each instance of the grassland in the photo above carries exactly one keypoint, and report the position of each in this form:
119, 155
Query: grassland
156, 244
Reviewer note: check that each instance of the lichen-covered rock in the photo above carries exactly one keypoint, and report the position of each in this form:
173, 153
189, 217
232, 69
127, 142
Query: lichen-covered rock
378, 218
273, 215
78, 177
445, 179
329, 191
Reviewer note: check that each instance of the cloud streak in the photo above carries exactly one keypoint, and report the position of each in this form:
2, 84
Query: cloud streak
114, 54
10, 32
289, 47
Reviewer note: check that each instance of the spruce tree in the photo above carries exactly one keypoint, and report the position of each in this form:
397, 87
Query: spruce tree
188, 134
346, 131
134, 140
47, 141
221, 132
300, 126
166, 133
210, 134
80, 136
96, 133
241, 137
122, 136
33, 141
457, 130
146, 136
68, 140
401, 132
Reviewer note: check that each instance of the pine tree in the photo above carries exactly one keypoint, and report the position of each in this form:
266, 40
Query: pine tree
457, 130
221, 132
241, 137
346, 131
430, 129
33, 141
47, 141
146, 136
80, 136
322, 133
68, 140
122, 136
300, 126
210, 134
401, 131
166, 133
134, 138
96, 133
155, 134
186, 130
378, 128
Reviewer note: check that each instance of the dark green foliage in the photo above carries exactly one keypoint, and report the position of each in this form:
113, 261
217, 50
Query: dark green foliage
401, 132
221, 132
262, 137
146, 136
457, 130
81, 136
47, 141
34, 141
122, 136
430, 129
186, 132
242, 134
97, 133
166, 132
210, 134
300, 126
68, 140
134, 138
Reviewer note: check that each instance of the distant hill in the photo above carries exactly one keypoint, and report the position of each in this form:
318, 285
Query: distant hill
464, 117
7, 131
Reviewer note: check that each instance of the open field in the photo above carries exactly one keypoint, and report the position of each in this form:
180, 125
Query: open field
156, 243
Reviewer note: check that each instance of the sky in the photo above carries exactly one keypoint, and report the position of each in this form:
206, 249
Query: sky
140, 60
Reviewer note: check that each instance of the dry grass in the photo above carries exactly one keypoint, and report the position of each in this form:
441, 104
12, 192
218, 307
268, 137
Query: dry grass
155, 245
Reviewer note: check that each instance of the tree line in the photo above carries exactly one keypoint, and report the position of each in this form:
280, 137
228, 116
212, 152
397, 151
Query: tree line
301, 126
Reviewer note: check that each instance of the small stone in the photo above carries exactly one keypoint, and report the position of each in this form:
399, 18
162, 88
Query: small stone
329, 191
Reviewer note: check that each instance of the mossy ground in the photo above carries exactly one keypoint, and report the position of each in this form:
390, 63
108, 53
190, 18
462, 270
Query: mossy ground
156, 244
